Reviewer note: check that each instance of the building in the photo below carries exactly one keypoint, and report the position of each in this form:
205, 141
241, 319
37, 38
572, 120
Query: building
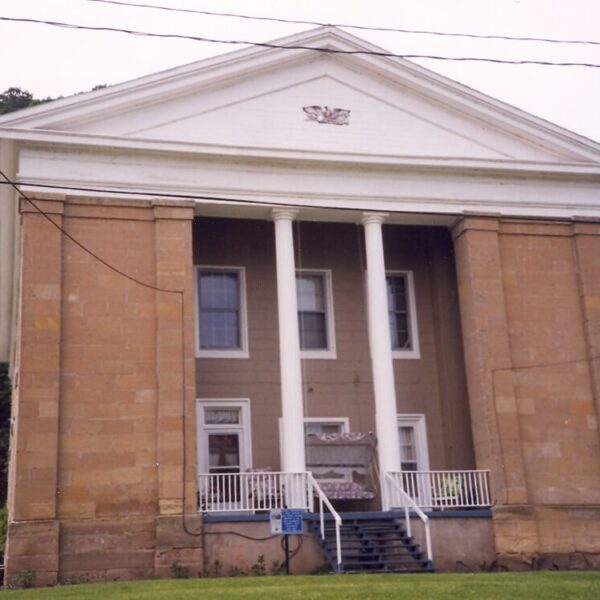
305, 242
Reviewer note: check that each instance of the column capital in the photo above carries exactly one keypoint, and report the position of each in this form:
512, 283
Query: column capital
378, 218
284, 214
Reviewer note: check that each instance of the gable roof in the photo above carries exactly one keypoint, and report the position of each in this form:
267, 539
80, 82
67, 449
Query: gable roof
252, 99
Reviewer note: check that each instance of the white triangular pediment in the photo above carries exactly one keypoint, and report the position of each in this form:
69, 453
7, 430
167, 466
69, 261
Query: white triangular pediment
268, 113
397, 109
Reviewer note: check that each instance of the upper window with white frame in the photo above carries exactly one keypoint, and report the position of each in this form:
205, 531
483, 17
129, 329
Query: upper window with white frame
402, 312
221, 305
315, 314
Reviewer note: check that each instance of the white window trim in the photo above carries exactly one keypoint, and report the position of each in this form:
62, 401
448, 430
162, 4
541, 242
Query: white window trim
343, 421
330, 352
246, 426
420, 426
244, 351
415, 351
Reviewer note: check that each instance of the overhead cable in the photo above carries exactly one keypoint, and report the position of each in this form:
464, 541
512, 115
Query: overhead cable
347, 25
226, 200
299, 47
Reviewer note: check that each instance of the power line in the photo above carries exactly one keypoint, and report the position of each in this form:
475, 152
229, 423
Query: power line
300, 47
16, 186
230, 200
346, 25
180, 293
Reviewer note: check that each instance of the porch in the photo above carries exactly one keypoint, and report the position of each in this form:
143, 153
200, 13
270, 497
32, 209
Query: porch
411, 495
350, 350
370, 540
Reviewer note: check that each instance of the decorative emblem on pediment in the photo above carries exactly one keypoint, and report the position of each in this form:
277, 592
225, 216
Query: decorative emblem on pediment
329, 116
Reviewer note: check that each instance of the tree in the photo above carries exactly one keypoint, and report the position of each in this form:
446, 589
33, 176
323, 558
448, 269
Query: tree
15, 98
5, 392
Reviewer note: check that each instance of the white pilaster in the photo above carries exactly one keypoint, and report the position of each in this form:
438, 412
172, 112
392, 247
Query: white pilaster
8, 251
292, 409
380, 344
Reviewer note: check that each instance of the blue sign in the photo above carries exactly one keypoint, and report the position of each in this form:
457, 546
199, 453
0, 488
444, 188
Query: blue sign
291, 521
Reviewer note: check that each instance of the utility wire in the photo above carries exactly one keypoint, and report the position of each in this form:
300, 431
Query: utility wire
179, 293
347, 25
230, 200
300, 47
82, 246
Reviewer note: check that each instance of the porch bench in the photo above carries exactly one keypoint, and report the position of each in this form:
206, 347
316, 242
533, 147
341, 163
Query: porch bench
345, 490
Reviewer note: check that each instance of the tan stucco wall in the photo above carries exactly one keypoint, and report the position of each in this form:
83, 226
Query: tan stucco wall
342, 387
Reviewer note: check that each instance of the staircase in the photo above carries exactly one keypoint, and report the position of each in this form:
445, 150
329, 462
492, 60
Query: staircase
372, 542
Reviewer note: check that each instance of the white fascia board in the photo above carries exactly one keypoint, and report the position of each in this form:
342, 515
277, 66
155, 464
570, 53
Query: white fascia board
95, 143
164, 84
351, 186
491, 112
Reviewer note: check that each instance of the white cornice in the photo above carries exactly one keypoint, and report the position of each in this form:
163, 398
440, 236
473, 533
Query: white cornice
95, 143
412, 186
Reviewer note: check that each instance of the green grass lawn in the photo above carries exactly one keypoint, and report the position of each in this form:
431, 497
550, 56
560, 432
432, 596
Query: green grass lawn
505, 586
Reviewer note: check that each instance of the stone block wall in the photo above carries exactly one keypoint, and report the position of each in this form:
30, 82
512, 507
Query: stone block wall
531, 323
97, 484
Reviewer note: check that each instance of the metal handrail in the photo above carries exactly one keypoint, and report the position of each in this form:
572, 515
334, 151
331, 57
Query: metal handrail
323, 499
408, 501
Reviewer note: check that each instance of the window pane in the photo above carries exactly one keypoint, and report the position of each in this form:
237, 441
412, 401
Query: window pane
312, 317
219, 290
327, 428
219, 303
396, 285
222, 416
398, 312
223, 450
399, 331
310, 293
219, 329
313, 333
408, 451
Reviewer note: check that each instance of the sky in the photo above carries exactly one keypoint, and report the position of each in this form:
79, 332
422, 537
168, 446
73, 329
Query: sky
52, 61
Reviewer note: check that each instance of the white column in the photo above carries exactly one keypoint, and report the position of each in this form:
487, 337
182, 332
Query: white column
292, 409
386, 420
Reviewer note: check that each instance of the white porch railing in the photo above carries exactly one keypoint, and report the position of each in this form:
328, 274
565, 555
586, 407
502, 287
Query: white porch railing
395, 490
443, 489
258, 491
254, 491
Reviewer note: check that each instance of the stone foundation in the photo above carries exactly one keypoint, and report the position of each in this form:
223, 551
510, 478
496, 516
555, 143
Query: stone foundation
32, 546
103, 550
228, 545
547, 537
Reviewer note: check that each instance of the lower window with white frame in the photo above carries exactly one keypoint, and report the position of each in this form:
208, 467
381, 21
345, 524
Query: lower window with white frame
414, 454
224, 443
